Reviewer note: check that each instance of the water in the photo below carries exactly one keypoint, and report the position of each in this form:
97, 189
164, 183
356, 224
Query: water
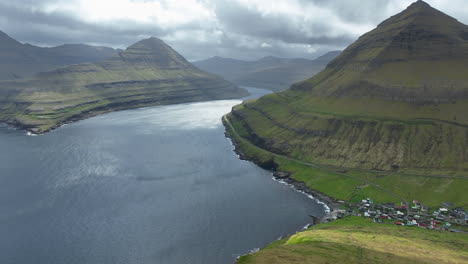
152, 185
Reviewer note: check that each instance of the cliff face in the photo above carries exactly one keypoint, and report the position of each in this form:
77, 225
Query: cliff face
147, 73
396, 99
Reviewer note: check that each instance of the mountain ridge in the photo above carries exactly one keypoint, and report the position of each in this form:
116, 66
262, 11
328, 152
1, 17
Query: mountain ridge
147, 73
273, 73
19, 60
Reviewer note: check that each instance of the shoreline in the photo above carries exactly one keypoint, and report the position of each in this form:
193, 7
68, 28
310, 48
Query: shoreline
33, 130
331, 205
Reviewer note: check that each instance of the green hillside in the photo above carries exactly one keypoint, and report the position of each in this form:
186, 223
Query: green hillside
358, 240
147, 73
387, 120
395, 100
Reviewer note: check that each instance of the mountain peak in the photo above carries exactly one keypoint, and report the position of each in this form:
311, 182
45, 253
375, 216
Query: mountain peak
419, 4
152, 52
403, 59
150, 43
421, 8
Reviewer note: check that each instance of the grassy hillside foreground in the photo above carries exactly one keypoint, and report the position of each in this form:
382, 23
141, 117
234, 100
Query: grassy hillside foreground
359, 240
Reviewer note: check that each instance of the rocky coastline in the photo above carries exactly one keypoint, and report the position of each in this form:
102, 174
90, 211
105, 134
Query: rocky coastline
285, 177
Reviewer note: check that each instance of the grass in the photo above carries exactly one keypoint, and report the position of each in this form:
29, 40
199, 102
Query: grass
353, 139
147, 73
352, 185
387, 120
359, 240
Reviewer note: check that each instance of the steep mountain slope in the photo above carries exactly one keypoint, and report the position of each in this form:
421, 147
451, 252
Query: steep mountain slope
386, 119
147, 73
22, 60
394, 100
271, 73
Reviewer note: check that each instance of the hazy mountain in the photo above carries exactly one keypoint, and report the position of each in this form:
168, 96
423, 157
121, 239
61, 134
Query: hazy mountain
271, 73
149, 72
396, 99
19, 60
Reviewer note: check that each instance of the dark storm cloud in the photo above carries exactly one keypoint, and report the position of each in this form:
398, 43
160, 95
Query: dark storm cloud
239, 19
35, 26
230, 28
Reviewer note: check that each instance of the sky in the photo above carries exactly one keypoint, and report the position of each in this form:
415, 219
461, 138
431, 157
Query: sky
198, 29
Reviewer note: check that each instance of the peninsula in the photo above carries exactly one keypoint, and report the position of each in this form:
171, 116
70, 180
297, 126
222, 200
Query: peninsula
147, 73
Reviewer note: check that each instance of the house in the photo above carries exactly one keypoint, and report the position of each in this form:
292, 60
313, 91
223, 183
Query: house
388, 206
403, 207
399, 223
446, 204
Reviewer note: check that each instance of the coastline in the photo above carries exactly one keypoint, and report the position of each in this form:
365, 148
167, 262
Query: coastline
331, 204
31, 129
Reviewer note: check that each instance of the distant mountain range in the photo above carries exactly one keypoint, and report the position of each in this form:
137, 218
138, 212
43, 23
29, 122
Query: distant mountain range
19, 60
271, 73
148, 72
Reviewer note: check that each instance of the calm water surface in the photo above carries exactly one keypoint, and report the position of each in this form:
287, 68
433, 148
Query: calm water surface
152, 185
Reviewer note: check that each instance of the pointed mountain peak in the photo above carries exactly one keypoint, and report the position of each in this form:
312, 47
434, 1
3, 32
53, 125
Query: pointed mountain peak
406, 50
421, 8
419, 5
149, 43
152, 52
420, 12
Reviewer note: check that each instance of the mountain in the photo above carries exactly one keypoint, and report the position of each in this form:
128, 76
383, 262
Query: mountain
148, 72
271, 73
385, 120
396, 99
19, 60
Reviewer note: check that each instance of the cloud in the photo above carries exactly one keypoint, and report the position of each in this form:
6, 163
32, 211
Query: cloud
204, 28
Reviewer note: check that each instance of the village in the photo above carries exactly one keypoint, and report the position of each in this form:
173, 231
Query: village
444, 218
